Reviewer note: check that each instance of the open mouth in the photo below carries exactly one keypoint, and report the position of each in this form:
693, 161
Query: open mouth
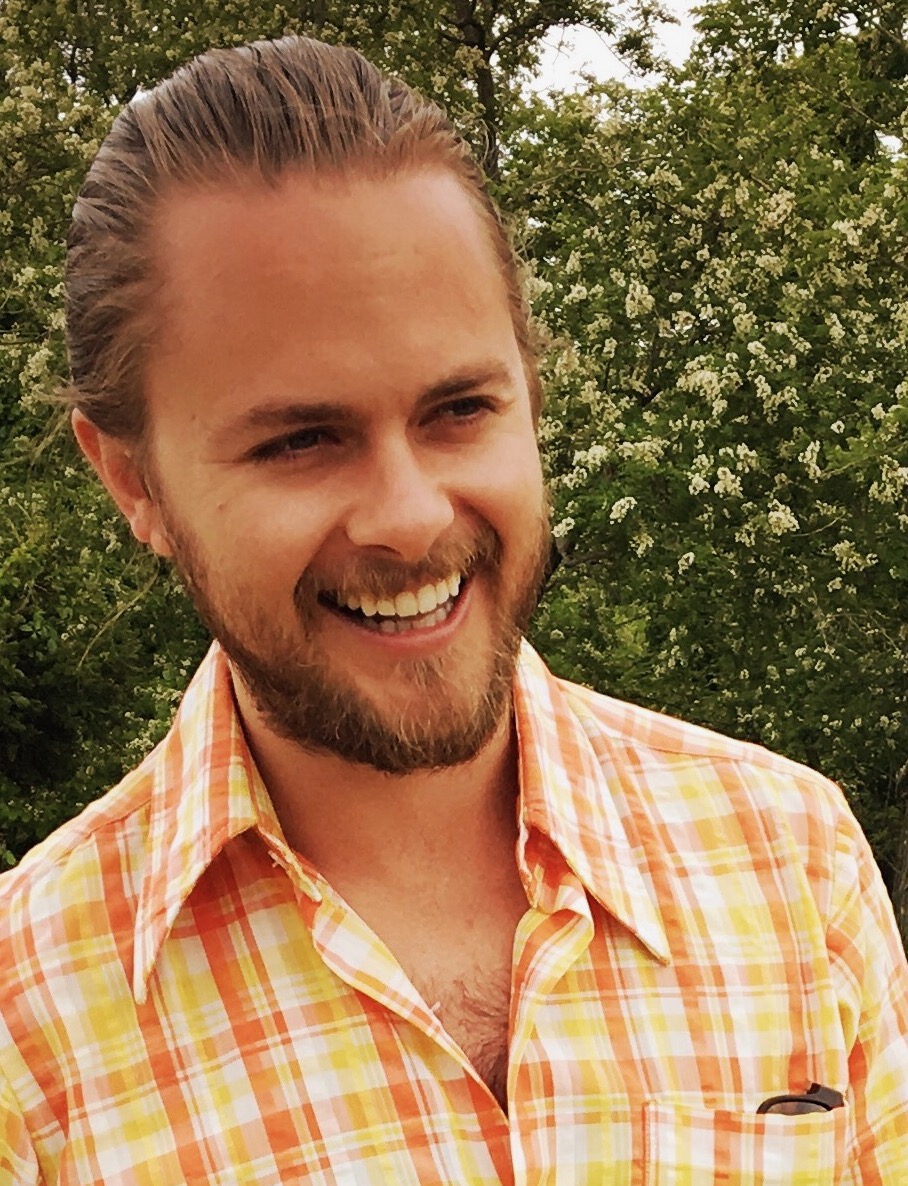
414, 609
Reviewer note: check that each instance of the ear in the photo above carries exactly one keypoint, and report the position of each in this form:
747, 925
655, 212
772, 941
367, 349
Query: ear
116, 465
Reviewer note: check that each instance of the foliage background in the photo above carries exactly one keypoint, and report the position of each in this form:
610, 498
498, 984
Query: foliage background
718, 269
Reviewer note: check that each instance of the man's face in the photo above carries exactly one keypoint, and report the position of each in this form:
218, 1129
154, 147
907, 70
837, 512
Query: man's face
342, 458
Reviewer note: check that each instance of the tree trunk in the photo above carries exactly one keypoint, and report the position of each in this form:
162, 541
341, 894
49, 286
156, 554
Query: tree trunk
476, 36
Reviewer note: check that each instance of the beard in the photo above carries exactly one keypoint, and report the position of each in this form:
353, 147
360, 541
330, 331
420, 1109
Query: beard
304, 698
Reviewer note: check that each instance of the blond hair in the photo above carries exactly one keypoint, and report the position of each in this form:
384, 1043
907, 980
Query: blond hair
255, 111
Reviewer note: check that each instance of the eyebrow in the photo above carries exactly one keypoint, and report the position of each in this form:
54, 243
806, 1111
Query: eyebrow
279, 414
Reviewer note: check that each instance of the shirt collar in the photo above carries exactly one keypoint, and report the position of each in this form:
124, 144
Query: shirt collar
206, 790
571, 793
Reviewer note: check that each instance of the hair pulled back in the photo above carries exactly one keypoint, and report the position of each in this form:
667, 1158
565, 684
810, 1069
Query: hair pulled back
253, 112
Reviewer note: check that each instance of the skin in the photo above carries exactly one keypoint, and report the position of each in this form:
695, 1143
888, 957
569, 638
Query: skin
337, 396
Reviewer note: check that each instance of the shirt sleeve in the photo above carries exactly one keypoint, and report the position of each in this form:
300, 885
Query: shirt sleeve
868, 959
18, 1163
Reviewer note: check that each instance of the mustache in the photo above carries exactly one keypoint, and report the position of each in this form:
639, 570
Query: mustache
380, 576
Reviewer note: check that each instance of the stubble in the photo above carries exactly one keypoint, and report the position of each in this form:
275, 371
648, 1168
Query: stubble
303, 698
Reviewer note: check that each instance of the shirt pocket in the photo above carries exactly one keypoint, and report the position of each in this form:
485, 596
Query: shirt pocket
691, 1146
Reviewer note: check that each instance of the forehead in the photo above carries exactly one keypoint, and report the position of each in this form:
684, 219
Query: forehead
327, 282
319, 235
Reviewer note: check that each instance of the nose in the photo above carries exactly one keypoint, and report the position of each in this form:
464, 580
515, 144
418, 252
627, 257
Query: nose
402, 506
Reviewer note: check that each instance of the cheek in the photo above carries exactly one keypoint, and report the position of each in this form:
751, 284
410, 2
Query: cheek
286, 528
516, 488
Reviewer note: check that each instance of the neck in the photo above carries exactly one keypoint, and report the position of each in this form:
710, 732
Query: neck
352, 821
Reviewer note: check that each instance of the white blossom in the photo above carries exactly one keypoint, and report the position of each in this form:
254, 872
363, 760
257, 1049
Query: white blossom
748, 459
781, 518
836, 329
697, 484
727, 484
639, 300
663, 176
809, 456
744, 322
621, 507
577, 294
848, 231
704, 380
649, 451
892, 484
850, 559
535, 287
592, 458
777, 208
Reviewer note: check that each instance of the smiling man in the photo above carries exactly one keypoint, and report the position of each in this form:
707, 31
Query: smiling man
391, 903
341, 459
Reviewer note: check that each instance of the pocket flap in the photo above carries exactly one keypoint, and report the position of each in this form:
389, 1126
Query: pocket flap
692, 1146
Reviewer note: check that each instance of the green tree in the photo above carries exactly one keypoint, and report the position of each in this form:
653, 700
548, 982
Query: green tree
720, 274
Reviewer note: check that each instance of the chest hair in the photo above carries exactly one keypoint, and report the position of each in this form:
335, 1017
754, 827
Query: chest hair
475, 1011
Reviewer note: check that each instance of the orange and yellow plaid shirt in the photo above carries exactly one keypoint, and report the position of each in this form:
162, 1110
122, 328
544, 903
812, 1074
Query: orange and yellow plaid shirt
183, 1000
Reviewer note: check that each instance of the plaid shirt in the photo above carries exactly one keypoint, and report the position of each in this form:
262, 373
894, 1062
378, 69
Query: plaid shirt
183, 1000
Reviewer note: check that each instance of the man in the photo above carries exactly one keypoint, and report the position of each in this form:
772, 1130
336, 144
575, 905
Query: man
392, 904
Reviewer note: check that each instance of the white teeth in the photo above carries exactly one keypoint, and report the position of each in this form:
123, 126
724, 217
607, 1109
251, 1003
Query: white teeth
404, 625
426, 599
406, 605
421, 603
